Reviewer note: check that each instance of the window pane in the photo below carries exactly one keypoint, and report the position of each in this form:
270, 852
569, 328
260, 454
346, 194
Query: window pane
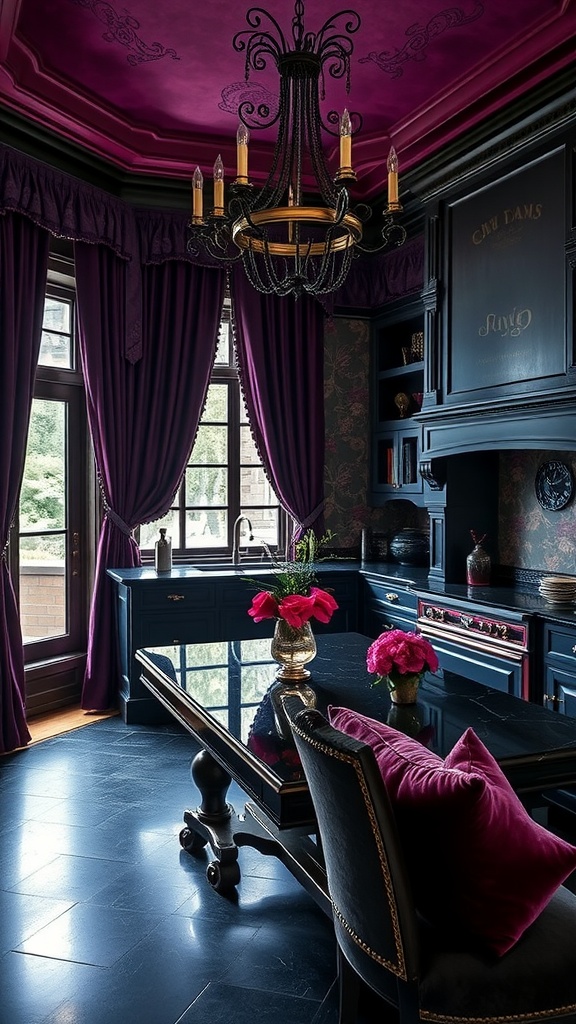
42, 499
216, 408
211, 446
255, 489
56, 344
206, 529
42, 587
55, 350
248, 453
206, 487
223, 347
264, 526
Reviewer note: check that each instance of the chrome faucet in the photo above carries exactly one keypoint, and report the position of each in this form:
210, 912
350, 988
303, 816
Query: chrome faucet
236, 537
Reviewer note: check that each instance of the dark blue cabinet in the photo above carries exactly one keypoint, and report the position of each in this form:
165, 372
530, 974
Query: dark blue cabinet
190, 606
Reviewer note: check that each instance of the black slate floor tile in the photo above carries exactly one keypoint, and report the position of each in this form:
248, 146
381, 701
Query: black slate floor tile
90, 935
105, 919
23, 915
213, 1004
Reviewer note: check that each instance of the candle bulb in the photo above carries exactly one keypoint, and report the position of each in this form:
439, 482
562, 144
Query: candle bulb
242, 139
219, 187
392, 177
197, 184
345, 141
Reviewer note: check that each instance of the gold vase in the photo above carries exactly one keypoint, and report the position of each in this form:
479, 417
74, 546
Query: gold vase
406, 690
292, 647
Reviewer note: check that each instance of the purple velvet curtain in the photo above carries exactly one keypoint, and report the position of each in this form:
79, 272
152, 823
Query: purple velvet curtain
280, 343
143, 415
23, 266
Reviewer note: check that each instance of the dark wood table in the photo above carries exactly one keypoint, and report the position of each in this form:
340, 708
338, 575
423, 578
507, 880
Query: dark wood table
226, 696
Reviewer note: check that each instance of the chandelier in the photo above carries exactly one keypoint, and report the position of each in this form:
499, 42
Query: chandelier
291, 241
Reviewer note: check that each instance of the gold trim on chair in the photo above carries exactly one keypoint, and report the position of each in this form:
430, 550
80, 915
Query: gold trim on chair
398, 969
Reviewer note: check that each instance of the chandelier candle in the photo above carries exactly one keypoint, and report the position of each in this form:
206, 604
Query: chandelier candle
392, 165
242, 140
345, 144
219, 187
197, 185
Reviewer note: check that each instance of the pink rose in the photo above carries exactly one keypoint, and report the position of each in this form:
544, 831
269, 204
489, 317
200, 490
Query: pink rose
264, 606
296, 609
324, 604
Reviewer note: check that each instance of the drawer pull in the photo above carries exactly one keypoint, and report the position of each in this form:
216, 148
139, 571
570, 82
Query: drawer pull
175, 597
392, 597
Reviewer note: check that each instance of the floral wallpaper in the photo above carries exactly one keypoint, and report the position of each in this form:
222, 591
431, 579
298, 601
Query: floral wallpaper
347, 413
529, 536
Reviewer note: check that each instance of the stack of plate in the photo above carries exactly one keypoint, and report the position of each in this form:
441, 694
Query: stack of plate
558, 589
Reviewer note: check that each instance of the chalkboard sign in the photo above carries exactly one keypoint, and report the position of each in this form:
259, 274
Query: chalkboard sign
507, 280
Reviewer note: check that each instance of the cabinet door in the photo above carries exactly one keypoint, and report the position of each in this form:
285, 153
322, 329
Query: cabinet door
395, 458
560, 690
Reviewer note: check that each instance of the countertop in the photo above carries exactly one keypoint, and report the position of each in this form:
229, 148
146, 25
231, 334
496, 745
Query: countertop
515, 599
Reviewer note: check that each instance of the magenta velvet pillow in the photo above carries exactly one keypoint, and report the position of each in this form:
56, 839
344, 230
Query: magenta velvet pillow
477, 860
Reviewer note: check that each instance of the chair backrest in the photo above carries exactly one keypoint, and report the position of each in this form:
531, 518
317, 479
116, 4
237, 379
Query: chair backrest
374, 915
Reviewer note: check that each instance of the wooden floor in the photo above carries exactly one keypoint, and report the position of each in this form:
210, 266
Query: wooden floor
43, 727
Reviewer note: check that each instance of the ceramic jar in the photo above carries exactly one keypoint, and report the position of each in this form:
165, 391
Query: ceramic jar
410, 547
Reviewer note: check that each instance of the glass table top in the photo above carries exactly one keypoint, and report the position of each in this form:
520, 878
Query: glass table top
233, 684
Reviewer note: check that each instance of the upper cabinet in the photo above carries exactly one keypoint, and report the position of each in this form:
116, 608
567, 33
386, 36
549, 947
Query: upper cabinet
501, 253
397, 380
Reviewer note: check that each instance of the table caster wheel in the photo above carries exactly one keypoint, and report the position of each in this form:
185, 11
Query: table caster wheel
223, 877
191, 841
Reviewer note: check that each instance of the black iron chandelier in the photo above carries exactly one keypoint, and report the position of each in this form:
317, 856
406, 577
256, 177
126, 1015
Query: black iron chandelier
291, 242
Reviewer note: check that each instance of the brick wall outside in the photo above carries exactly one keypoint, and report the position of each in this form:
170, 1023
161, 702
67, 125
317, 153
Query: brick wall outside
42, 602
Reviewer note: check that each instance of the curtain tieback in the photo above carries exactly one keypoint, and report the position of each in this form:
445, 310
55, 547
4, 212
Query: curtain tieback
312, 516
118, 521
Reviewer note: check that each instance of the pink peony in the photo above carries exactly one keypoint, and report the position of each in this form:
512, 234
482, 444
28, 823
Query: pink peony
264, 606
398, 653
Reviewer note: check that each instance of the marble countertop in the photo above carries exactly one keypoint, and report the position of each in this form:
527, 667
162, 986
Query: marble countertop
415, 578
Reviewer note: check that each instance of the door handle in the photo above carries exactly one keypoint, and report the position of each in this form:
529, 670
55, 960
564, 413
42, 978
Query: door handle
75, 554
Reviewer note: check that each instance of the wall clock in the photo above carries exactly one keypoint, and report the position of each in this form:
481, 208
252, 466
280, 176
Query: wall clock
554, 485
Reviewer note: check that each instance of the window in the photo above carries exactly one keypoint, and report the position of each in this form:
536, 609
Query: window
224, 477
47, 539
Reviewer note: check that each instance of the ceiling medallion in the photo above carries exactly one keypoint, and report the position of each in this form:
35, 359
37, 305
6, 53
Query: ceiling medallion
291, 242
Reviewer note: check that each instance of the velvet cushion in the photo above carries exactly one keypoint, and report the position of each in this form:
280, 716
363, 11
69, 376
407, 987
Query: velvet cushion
478, 862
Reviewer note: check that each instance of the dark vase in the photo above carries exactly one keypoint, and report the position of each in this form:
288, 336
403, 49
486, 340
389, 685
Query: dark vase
410, 547
478, 567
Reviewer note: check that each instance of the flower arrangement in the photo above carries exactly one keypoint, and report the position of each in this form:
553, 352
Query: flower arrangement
400, 657
295, 596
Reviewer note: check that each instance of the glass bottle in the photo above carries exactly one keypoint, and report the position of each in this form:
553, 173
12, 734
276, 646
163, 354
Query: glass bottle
163, 552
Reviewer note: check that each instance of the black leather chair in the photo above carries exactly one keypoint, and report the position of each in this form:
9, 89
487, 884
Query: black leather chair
381, 939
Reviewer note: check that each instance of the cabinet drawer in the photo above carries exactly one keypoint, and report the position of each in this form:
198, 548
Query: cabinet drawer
181, 625
173, 594
389, 595
560, 642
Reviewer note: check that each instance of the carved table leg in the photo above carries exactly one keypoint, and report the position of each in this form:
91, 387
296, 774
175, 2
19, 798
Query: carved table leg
211, 822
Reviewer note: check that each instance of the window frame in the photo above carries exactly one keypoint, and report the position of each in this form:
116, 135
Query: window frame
222, 374
65, 385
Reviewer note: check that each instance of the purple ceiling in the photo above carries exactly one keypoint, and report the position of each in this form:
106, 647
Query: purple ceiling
154, 85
